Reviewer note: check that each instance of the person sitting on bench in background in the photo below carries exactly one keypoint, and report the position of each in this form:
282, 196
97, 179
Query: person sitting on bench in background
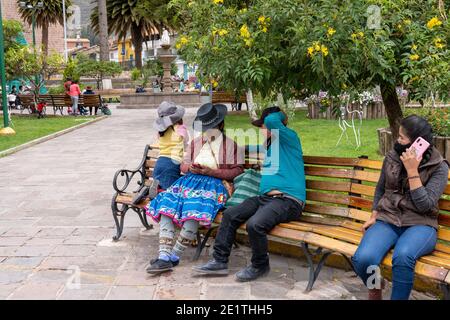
282, 199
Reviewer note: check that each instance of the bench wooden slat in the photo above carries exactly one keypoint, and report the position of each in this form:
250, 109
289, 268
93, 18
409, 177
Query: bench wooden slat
150, 163
444, 220
362, 189
444, 204
348, 162
335, 198
342, 173
328, 185
447, 190
444, 234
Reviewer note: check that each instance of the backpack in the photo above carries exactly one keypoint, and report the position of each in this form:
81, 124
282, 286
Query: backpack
106, 110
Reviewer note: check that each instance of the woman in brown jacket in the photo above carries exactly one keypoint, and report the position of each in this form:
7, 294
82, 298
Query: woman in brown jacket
404, 213
211, 160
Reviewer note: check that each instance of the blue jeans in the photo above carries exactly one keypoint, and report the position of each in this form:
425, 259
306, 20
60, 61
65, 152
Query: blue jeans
410, 243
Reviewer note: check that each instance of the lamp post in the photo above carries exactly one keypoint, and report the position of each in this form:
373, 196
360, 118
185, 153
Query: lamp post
33, 8
65, 30
6, 130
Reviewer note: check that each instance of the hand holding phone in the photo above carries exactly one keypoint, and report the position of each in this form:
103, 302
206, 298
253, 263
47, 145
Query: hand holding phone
420, 146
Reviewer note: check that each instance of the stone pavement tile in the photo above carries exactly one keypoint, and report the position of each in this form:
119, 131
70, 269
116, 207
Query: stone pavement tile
180, 275
21, 232
33, 251
266, 289
3, 230
62, 263
60, 276
101, 263
48, 213
12, 241
7, 289
14, 223
73, 250
100, 277
85, 292
177, 292
131, 293
112, 251
11, 275
55, 232
22, 263
44, 241
322, 290
7, 251
37, 291
239, 291
136, 278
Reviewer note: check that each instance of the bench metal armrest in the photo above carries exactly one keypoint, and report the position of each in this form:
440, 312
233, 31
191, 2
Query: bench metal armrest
129, 175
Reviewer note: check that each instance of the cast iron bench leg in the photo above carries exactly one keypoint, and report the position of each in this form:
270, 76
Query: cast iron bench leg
202, 244
142, 217
118, 213
314, 272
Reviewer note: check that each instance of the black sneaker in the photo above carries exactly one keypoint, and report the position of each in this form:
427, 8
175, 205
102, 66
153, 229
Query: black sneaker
251, 273
212, 267
159, 266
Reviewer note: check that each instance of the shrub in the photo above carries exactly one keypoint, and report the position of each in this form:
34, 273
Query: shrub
439, 118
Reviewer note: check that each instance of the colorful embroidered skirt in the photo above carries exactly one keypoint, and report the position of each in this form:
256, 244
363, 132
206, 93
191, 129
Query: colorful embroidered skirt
191, 197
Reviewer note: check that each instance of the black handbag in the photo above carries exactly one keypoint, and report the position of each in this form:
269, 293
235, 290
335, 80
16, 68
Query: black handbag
146, 192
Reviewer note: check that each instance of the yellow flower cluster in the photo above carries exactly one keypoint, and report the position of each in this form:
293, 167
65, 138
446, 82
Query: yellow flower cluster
331, 31
317, 48
244, 10
218, 1
358, 35
220, 32
414, 47
263, 23
438, 43
214, 83
407, 22
414, 57
433, 23
182, 42
244, 32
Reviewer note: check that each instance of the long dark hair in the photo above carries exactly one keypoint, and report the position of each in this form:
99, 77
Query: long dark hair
415, 127
162, 133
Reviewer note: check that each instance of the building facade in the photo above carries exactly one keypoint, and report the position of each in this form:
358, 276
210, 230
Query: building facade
56, 34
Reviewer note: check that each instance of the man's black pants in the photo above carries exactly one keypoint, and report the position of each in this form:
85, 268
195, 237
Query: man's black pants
261, 213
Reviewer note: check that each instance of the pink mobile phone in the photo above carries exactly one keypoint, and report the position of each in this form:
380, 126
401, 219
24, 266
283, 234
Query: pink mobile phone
420, 145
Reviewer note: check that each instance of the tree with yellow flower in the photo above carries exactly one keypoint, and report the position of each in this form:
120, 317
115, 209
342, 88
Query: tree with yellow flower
300, 47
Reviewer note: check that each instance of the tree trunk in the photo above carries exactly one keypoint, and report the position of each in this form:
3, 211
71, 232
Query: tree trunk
137, 39
103, 28
392, 107
45, 39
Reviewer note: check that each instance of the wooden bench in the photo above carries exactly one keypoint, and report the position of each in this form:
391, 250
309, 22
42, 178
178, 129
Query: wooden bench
229, 97
27, 102
339, 201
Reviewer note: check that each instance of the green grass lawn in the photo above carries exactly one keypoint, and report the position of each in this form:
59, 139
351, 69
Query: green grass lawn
319, 137
30, 127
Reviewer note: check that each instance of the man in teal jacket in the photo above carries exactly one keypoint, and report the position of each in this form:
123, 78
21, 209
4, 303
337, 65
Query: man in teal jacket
282, 198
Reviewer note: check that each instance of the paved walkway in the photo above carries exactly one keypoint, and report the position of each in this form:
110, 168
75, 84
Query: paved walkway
56, 228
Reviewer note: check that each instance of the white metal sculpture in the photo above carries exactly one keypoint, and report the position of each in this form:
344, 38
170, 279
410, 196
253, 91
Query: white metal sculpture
344, 125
